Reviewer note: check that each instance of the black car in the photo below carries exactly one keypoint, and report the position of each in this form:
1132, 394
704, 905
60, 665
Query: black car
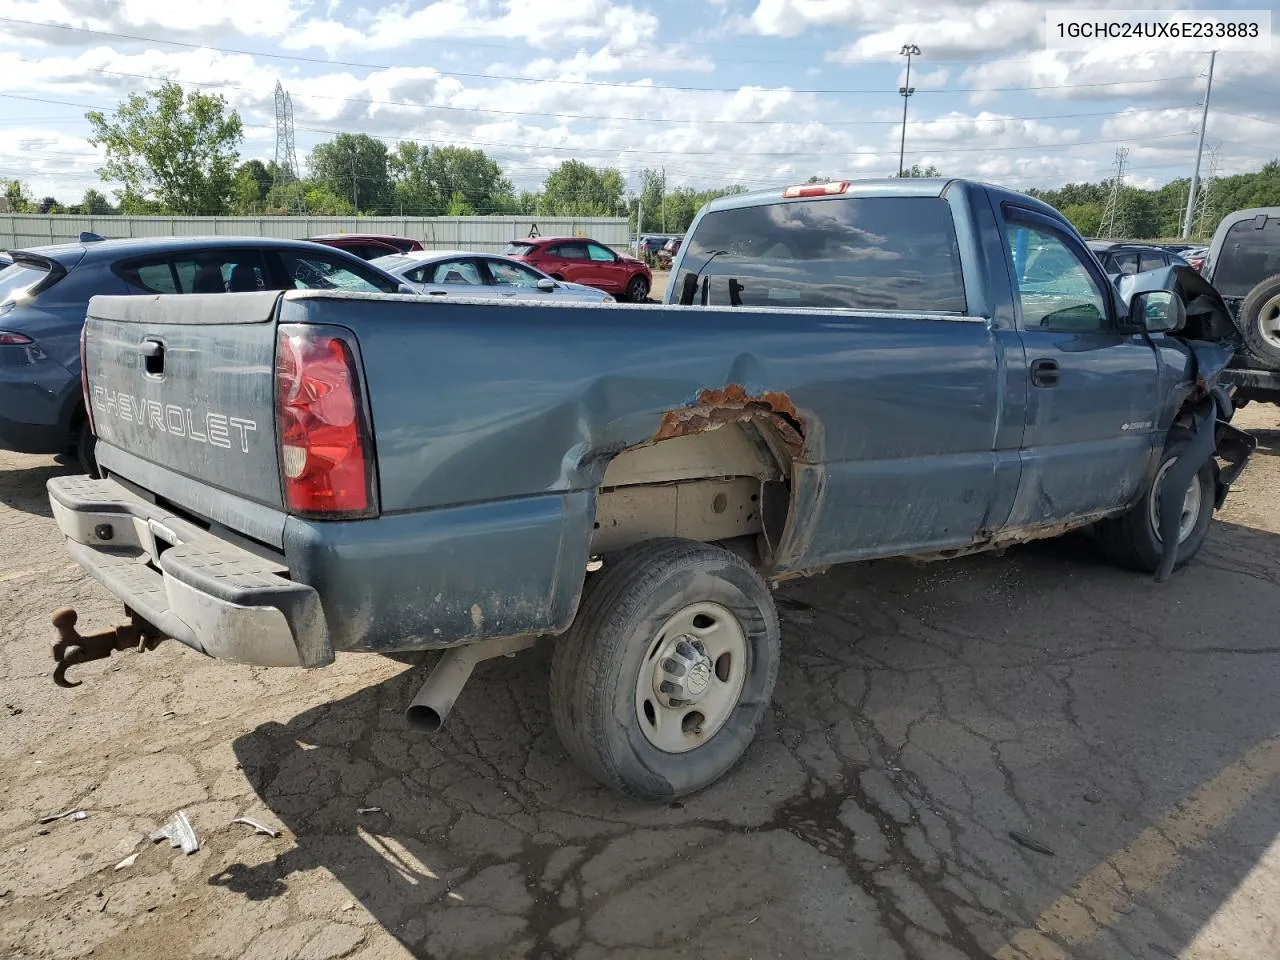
1119, 258
1244, 265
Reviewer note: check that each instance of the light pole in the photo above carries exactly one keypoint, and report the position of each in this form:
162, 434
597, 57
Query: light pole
908, 50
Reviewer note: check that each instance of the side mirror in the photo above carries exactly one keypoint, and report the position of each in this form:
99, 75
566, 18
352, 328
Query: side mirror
405, 288
547, 285
1157, 311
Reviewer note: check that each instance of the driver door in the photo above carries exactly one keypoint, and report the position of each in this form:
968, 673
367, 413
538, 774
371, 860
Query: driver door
1092, 399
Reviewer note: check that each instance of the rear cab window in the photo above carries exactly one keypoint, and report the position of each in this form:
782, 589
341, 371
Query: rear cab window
867, 253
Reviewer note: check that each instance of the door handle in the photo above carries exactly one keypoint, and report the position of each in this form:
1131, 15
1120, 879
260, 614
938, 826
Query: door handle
437, 293
1045, 373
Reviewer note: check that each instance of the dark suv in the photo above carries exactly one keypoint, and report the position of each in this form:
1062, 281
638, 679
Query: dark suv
1244, 265
45, 292
1125, 259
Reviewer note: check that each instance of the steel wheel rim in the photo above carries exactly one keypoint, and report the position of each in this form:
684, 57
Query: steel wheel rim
691, 677
1269, 321
1190, 512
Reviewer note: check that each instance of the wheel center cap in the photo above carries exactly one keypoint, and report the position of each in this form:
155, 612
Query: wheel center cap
683, 673
699, 677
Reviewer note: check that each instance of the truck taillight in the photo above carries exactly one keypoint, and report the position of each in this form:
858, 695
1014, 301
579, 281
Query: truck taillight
84, 381
326, 455
816, 189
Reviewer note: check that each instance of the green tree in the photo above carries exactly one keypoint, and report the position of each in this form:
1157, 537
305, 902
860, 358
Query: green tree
426, 179
247, 196
173, 153
915, 170
18, 197
459, 207
1085, 217
354, 166
94, 204
575, 189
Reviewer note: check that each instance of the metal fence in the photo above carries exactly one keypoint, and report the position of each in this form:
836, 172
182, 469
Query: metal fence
19, 230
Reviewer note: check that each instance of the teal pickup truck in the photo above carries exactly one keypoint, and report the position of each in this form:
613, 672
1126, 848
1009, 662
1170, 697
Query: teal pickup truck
843, 371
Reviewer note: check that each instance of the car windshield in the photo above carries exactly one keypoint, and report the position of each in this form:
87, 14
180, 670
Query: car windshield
517, 249
16, 278
391, 261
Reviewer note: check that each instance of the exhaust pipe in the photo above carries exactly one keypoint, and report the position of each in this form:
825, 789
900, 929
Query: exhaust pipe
437, 695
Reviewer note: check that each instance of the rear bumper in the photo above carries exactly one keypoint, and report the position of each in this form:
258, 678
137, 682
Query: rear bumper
1252, 384
202, 590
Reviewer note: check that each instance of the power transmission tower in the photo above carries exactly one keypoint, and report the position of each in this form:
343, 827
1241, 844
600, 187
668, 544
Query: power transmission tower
1206, 212
286, 169
1112, 215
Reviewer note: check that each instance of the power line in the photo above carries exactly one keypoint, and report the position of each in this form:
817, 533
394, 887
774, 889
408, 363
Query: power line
641, 87
219, 84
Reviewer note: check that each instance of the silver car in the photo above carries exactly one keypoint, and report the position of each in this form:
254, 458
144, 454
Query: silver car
460, 273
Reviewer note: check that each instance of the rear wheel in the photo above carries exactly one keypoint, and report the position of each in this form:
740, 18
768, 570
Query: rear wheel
1133, 541
661, 682
1260, 320
637, 290
86, 449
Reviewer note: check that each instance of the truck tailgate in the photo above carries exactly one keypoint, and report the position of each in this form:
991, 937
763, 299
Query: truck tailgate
186, 382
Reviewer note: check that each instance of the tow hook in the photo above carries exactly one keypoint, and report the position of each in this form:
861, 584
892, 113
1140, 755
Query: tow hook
73, 648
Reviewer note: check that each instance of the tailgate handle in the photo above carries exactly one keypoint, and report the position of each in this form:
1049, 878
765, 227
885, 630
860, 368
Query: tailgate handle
153, 352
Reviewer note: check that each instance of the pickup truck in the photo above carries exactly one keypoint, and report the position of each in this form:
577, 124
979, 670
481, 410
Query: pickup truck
845, 371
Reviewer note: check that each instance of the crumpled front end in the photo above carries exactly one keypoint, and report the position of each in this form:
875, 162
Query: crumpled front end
1205, 409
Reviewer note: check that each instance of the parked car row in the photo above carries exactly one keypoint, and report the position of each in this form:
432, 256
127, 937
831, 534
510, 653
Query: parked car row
45, 292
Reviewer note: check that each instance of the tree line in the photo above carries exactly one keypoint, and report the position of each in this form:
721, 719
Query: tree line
177, 153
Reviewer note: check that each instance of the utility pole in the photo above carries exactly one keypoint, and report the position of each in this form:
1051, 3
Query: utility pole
908, 50
664, 200
1195, 176
355, 189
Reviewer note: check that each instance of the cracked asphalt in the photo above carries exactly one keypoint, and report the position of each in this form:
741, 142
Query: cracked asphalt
1029, 756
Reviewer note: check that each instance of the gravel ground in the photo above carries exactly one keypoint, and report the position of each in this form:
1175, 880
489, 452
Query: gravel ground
1031, 757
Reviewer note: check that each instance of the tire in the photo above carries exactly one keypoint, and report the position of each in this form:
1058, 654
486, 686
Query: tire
86, 448
1131, 540
637, 289
609, 658
1260, 321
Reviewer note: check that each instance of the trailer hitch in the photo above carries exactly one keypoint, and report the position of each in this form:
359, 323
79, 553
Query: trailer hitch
73, 648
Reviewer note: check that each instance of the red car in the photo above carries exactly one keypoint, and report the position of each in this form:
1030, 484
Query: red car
368, 246
578, 260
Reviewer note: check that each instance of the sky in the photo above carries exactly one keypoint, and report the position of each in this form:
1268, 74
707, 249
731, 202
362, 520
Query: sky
752, 92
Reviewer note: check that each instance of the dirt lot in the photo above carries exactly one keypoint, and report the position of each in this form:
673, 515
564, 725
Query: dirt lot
1031, 756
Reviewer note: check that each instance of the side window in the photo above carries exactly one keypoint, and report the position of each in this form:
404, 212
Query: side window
1125, 264
599, 253
1152, 261
312, 271
214, 271
571, 251
420, 274
458, 271
512, 274
157, 277
1055, 290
